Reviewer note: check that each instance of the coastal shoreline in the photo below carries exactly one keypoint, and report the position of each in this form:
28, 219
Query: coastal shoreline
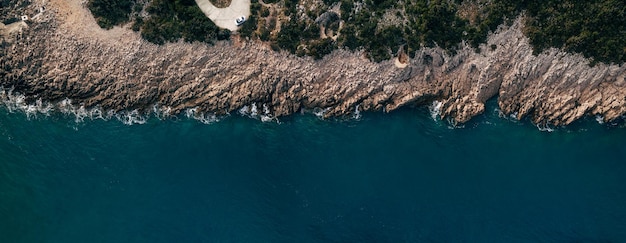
65, 55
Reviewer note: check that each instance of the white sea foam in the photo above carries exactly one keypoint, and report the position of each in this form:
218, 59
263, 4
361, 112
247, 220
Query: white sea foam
266, 109
262, 112
244, 111
162, 112
209, 118
253, 110
512, 117
96, 114
38, 108
357, 113
265, 118
453, 125
131, 117
206, 118
319, 112
544, 128
499, 112
435, 109
600, 119
15, 102
191, 112
267, 115
80, 113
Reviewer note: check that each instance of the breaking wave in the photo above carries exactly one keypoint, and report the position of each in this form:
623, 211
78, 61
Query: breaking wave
544, 128
206, 118
16, 102
320, 112
599, 119
357, 113
435, 110
262, 113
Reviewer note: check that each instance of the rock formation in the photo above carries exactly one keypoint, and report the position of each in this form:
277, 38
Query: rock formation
64, 54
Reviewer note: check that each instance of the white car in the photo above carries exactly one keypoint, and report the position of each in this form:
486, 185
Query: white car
239, 21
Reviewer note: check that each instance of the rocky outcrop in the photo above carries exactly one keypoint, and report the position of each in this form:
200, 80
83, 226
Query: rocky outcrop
66, 55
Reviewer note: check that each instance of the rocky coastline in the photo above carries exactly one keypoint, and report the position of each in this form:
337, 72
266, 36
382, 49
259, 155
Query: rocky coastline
63, 54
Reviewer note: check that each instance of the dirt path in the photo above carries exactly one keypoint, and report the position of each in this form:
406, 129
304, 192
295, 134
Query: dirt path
76, 18
225, 17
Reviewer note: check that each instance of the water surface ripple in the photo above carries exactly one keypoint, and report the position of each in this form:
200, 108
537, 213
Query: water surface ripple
400, 177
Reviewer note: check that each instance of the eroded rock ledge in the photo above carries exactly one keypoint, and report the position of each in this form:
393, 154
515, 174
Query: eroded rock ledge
64, 54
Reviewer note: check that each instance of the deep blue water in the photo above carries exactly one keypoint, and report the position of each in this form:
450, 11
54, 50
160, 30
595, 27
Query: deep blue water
399, 177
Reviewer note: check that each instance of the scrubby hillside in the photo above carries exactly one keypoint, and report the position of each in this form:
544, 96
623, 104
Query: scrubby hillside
384, 27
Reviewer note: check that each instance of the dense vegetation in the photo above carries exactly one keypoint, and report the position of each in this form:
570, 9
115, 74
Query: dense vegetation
7, 13
420, 24
171, 20
597, 29
109, 13
168, 21
380, 27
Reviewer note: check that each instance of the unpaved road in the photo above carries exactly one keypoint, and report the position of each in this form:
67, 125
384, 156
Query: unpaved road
225, 17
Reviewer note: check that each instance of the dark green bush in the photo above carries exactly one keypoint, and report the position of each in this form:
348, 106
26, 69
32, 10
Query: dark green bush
109, 13
597, 29
171, 20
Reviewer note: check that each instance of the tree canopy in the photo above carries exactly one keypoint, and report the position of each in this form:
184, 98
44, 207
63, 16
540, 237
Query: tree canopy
596, 29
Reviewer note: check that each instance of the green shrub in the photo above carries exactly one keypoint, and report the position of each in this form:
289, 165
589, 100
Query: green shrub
109, 13
171, 20
596, 29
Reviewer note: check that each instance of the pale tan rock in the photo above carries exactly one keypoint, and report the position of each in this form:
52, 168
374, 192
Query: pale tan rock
66, 55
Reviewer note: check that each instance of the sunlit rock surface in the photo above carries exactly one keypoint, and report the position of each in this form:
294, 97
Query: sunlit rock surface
64, 54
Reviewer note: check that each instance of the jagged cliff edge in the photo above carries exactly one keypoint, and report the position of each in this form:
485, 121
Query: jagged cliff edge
63, 58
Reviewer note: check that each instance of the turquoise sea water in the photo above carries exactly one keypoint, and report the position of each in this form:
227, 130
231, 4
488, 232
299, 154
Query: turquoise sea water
399, 177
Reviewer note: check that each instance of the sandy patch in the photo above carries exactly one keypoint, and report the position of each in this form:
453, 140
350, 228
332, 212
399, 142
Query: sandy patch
399, 64
402, 59
225, 17
7, 32
74, 15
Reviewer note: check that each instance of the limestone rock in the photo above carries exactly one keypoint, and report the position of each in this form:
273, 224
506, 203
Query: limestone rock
66, 55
